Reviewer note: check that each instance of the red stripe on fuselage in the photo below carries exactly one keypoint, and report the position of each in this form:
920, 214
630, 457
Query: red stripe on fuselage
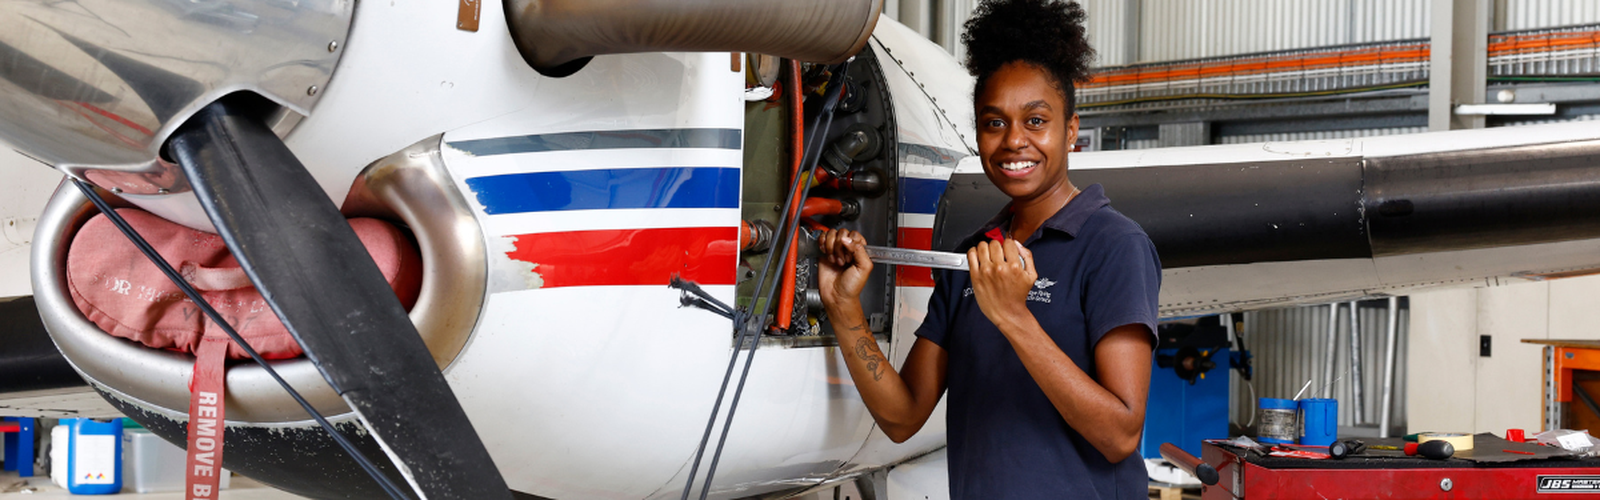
705, 255
915, 238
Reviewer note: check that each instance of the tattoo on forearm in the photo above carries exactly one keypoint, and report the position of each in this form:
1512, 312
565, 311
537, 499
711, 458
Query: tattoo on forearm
867, 350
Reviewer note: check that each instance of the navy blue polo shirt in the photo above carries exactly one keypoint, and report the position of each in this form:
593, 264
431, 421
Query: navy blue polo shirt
1097, 271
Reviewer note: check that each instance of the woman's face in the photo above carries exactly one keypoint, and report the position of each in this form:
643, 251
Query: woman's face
1024, 132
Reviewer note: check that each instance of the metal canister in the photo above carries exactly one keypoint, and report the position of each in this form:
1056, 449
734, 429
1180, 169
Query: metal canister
1277, 421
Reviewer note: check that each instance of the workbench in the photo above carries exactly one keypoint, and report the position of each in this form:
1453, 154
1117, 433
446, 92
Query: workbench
1488, 471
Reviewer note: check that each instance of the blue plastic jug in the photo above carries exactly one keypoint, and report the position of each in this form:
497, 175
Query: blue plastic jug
94, 456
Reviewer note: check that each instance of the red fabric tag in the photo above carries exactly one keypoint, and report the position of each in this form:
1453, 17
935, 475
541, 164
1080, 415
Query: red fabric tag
205, 419
996, 234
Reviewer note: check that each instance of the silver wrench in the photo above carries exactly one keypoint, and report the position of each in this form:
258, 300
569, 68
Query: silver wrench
924, 258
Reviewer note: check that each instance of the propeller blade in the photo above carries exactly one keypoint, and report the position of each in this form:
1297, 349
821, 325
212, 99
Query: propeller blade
318, 278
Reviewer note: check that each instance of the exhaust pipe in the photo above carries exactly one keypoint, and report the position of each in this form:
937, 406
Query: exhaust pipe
553, 33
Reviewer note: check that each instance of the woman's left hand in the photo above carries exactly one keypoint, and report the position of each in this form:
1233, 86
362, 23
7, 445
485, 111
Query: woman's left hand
1002, 275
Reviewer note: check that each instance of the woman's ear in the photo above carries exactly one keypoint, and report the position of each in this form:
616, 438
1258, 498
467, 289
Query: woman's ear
1072, 132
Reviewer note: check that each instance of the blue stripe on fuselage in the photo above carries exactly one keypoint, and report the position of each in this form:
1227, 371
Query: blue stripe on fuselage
663, 187
920, 196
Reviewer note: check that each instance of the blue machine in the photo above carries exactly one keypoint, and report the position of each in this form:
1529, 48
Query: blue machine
1189, 386
19, 446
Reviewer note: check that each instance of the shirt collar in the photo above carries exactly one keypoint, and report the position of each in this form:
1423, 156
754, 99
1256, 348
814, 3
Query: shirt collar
1069, 219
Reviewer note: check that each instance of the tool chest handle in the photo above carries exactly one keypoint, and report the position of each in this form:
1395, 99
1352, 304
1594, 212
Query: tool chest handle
1201, 470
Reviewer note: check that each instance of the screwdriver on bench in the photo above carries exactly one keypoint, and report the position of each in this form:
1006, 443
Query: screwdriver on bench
1437, 450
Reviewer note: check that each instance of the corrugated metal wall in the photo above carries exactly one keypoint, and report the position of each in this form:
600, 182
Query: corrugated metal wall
1141, 144
1318, 135
1188, 29
1108, 30
1171, 30
1344, 134
1291, 347
1532, 14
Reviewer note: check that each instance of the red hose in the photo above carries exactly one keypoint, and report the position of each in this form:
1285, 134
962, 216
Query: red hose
815, 207
797, 150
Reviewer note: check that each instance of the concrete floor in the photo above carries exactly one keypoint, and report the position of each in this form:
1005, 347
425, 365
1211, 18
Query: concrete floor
37, 487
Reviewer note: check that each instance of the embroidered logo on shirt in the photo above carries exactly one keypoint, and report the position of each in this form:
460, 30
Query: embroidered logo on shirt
1038, 294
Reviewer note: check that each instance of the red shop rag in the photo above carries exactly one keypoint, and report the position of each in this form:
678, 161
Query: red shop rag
118, 289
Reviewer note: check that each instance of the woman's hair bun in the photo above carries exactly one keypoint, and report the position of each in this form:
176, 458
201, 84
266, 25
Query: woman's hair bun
1046, 33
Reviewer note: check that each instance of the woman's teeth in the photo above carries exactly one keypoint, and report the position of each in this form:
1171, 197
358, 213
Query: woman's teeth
1018, 165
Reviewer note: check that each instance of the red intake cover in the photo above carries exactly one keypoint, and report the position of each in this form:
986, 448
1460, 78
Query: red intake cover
118, 289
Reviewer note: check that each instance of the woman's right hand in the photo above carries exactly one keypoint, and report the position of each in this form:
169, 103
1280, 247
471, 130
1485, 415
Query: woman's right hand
843, 266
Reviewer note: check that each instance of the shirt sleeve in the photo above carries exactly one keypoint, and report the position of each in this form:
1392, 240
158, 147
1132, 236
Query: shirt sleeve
1124, 288
937, 323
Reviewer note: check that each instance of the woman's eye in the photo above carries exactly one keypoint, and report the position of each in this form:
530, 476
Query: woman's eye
1036, 121
996, 123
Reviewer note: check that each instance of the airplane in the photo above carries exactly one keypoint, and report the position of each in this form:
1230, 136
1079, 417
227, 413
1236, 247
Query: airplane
559, 163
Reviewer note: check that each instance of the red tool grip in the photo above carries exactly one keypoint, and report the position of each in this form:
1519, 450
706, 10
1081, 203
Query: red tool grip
1183, 460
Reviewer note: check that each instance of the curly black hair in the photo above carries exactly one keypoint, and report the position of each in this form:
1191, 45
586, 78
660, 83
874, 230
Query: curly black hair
1046, 33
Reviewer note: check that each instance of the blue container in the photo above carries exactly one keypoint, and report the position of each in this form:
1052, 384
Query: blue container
1277, 421
1319, 421
94, 456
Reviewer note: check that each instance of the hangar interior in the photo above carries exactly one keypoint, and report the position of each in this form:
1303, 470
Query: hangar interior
1176, 73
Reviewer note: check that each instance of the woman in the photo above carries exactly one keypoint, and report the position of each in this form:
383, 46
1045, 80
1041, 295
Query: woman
1045, 345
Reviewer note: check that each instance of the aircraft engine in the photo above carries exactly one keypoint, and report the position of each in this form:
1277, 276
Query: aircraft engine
850, 188
268, 431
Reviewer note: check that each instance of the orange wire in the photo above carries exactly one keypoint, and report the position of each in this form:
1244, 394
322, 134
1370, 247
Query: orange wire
797, 150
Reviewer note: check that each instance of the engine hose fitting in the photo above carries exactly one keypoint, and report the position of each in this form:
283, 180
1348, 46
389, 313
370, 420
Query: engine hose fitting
858, 142
755, 236
868, 182
818, 207
814, 300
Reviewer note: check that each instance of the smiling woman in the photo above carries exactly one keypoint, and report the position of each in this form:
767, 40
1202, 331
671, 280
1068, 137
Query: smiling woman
1044, 347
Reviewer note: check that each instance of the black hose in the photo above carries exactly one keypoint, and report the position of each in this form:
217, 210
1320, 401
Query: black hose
743, 319
155, 258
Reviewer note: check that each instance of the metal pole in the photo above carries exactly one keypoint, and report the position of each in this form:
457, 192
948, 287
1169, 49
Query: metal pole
1389, 353
1233, 377
1358, 407
1227, 326
1333, 350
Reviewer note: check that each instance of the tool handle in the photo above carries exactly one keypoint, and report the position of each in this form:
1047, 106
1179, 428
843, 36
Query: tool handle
1194, 466
1437, 450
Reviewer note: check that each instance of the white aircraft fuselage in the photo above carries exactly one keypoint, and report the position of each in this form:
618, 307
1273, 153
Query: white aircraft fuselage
575, 363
